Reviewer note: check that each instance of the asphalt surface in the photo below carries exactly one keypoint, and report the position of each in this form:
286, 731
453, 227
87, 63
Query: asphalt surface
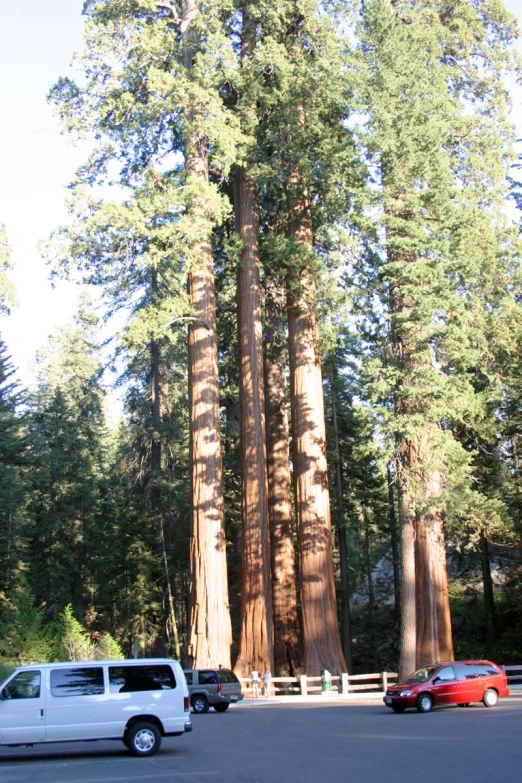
302, 742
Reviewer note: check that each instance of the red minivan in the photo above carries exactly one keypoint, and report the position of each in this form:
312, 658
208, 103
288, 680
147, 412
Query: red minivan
449, 682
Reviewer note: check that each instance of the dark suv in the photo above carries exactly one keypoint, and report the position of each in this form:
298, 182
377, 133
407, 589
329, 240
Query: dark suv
216, 688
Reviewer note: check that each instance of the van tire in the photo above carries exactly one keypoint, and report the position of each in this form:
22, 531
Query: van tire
221, 707
143, 739
490, 698
200, 704
424, 703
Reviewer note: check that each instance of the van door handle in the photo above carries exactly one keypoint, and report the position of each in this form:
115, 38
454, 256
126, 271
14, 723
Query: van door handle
41, 713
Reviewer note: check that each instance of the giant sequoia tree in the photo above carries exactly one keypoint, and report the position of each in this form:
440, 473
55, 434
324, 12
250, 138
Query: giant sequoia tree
421, 142
172, 108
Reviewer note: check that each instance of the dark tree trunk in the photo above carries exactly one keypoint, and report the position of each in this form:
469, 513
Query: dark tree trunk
394, 537
371, 592
256, 628
489, 596
344, 565
287, 643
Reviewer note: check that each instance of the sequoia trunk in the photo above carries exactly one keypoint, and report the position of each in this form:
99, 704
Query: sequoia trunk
210, 627
287, 646
321, 640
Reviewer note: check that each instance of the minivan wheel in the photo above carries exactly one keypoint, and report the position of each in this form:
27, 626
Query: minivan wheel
200, 704
490, 698
424, 703
143, 739
221, 707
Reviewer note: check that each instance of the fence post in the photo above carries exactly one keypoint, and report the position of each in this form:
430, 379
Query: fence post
304, 687
344, 683
384, 676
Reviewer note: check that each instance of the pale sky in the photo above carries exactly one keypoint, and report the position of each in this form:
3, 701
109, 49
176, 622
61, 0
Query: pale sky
37, 40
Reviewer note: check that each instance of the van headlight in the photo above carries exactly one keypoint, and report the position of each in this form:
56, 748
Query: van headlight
406, 693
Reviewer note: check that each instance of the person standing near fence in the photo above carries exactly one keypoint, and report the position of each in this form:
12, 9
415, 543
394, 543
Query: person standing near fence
255, 683
267, 677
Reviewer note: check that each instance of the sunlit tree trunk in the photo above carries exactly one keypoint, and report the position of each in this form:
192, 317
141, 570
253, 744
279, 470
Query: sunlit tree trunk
210, 627
321, 639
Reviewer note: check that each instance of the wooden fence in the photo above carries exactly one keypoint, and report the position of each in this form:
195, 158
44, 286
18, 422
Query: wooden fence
347, 684
344, 684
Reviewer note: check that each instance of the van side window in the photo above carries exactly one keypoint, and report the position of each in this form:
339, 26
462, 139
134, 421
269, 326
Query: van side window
130, 679
25, 685
77, 681
446, 673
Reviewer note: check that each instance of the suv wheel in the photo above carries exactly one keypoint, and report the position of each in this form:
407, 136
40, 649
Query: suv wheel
424, 703
200, 704
490, 698
221, 707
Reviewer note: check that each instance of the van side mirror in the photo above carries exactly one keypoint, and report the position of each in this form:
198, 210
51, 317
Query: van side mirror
3, 694
436, 679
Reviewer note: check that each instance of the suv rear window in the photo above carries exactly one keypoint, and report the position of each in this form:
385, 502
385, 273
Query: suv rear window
207, 678
227, 676
130, 679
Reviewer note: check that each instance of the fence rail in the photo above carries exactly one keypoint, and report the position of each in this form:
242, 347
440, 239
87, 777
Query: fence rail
348, 684
344, 684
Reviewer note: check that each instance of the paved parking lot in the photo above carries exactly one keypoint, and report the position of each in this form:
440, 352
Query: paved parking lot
305, 742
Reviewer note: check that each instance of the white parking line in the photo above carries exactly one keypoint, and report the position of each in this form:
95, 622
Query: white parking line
147, 776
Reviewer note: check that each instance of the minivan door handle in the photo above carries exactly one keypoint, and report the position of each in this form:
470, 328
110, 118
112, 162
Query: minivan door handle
41, 713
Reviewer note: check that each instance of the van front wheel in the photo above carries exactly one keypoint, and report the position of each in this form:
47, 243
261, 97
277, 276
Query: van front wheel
143, 739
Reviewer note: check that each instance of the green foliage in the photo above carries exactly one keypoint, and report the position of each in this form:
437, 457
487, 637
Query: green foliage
108, 649
22, 635
7, 291
73, 643
68, 444
15, 517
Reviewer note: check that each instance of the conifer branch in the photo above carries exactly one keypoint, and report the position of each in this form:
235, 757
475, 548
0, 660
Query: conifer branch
170, 7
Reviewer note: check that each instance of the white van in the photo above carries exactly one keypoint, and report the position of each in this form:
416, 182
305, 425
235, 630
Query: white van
136, 701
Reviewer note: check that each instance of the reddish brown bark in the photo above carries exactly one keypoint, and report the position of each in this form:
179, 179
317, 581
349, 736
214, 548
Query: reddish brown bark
408, 659
210, 627
256, 628
433, 621
256, 624
321, 640
287, 644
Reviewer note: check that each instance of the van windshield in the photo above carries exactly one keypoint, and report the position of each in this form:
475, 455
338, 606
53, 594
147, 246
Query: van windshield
422, 675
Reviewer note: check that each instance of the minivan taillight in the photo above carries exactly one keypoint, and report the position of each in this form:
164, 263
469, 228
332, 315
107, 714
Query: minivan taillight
219, 687
186, 704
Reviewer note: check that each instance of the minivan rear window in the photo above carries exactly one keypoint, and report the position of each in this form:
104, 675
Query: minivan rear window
130, 679
468, 671
77, 681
